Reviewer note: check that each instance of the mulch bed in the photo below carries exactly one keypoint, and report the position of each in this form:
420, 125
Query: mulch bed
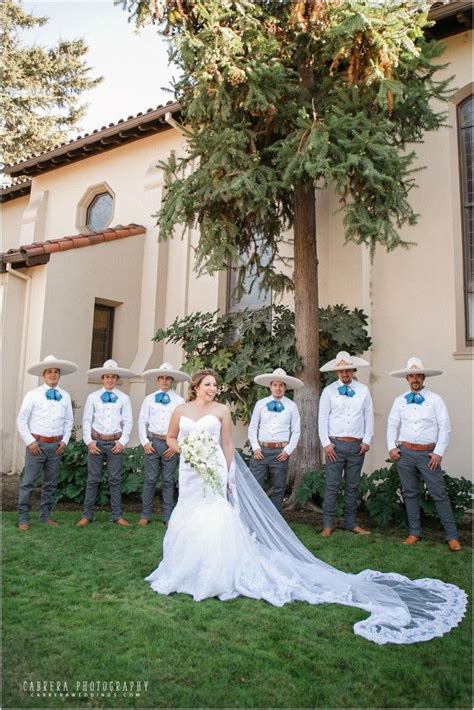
132, 504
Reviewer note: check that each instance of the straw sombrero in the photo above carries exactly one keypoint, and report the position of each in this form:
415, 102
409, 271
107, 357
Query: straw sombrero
50, 361
165, 370
414, 367
279, 375
110, 367
344, 361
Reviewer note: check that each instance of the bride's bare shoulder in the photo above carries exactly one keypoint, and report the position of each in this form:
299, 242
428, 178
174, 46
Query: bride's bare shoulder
222, 410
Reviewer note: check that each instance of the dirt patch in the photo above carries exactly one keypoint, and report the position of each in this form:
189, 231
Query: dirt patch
132, 504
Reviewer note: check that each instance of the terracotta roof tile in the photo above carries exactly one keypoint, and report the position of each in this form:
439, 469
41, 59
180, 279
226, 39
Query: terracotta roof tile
39, 252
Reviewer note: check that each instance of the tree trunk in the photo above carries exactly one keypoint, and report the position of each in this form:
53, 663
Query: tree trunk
306, 457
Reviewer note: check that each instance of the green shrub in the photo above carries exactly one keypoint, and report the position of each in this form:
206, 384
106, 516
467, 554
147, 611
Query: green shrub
73, 474
380, 495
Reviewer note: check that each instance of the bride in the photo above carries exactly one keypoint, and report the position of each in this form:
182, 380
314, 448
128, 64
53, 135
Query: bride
227, 539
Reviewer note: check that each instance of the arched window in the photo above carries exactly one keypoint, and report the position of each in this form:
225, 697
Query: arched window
99, 212
253, 297
466, 153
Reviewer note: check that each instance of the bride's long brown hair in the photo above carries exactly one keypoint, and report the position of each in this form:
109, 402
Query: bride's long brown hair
196, 380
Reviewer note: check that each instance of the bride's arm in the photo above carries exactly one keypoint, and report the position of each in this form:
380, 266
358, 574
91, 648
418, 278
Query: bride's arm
173, 431
226, 437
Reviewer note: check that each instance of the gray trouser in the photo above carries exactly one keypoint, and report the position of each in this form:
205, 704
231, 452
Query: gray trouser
412, 466
276, 470
47, 462
94, 471
154, 464
350, 462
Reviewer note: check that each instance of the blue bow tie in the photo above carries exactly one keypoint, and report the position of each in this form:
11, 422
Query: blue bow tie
53, 394
108, 397
346, 390
414, 398
162, 398
274, 406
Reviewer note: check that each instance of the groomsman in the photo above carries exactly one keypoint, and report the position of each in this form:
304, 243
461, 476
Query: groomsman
346, 428
274, 431
44, 422
417, 438
153, 422
106, 427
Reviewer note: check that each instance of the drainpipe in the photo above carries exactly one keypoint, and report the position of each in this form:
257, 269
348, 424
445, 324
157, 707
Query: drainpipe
22, 361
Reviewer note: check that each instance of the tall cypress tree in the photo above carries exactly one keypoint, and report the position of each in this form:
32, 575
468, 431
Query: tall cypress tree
275, 97
41, 87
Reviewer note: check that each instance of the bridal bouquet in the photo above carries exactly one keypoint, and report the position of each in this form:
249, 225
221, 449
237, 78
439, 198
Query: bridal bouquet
199, 451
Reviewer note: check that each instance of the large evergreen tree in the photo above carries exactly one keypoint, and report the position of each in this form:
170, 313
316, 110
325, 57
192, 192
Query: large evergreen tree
41, 86
276, 97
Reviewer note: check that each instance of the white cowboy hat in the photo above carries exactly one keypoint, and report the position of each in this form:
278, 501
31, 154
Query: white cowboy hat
344, 361
165, 370
110, 367
415, 367
50, 361
279, 375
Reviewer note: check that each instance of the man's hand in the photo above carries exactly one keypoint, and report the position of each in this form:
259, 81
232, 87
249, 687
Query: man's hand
61, 449
394, 454
118, 448
363, 449
435, 462
34, 448
149, 449
330, 452
282, 456
257, 454
93, 448
168, 453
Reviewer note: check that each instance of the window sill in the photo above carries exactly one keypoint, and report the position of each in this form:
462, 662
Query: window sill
464, 354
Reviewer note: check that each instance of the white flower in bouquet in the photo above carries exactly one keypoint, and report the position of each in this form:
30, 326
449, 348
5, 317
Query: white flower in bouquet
199, 451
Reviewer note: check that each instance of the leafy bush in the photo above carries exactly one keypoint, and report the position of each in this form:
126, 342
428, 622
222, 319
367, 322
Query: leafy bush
73, 474
380, 495
239, 346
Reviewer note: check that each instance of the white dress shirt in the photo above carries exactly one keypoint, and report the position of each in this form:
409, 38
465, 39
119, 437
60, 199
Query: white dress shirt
107, 417
340, 415
425, 423
46, 417
275, 426
155, 417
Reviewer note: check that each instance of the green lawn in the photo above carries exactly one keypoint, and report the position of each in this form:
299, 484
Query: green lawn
76, 610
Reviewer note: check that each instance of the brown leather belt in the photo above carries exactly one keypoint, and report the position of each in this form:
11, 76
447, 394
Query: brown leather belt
106, 437
273, 444
351, 439
416, 447
47, 439
152, 435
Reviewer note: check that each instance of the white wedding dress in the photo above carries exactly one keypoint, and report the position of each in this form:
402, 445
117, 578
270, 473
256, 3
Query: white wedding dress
216, 547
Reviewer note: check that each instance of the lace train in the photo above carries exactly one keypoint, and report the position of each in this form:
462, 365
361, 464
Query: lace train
222, 548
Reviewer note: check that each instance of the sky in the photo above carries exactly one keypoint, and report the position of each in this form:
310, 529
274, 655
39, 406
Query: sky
134, 65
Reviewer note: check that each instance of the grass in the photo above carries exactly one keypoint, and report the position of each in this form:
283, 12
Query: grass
76, 610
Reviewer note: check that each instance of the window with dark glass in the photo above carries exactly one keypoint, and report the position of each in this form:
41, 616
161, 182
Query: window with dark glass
466, 149
252, 297
99, 212
102, 334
